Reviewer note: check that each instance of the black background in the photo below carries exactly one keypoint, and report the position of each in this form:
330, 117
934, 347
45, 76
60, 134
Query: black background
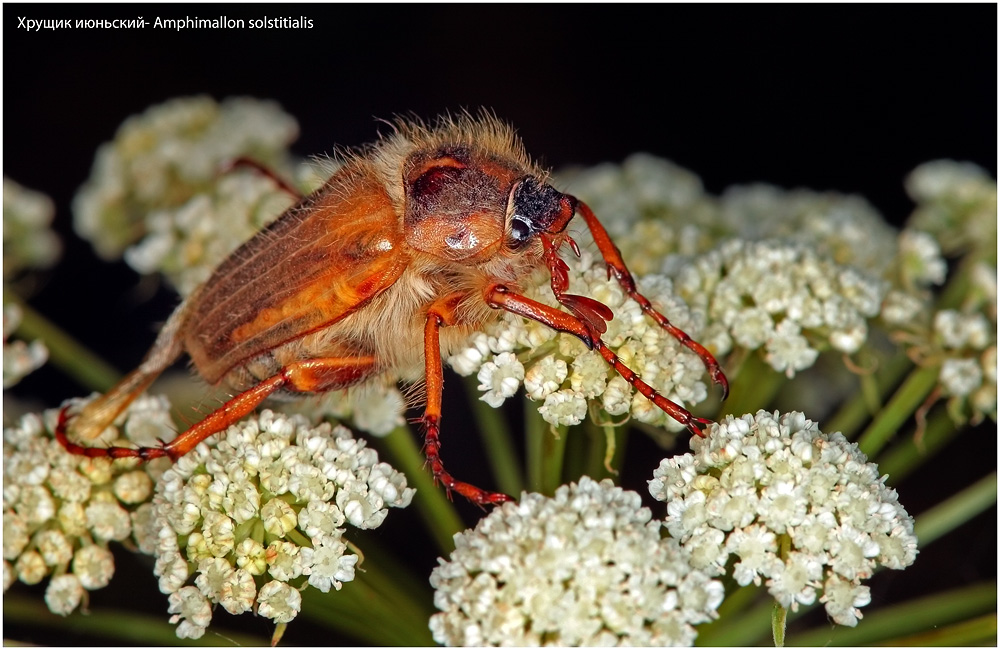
846, 97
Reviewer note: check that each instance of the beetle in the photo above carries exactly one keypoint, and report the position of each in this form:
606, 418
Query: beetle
414, 242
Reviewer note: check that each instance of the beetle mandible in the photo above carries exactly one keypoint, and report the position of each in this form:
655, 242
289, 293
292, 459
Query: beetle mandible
414, 242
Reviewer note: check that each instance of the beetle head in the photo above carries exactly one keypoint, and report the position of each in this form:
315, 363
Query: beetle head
464, 204
537, 208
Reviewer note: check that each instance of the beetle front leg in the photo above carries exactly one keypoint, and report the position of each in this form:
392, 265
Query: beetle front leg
500, 297
313, 376
616, 266
440, 313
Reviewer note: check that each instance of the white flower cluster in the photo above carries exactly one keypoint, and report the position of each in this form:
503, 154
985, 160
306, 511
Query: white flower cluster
257, 516
61, 510
585, 567
163, 157
187, 242
957, 203
798, 509
659, 214
28, 239
780, 297
19, 358
956, 212
559, 370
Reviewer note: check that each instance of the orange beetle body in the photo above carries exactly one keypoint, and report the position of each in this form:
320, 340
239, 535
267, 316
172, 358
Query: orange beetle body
409, 246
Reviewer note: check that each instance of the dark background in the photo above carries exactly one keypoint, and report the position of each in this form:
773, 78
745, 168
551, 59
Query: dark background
846, 97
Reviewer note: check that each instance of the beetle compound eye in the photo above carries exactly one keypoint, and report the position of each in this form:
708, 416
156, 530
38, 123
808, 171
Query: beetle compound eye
520, 231
536, 207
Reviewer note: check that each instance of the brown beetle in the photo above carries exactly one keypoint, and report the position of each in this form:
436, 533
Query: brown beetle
412, 244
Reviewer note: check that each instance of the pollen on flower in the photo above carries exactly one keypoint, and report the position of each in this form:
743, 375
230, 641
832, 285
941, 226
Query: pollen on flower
790, 482
584, 567
257, 516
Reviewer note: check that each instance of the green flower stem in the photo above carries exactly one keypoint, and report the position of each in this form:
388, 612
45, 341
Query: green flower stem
382, 606
956, 510
856, 411
779, 615
553, 455
738, 599
535, 432
741, 630
497, 439
438, 513
900, 408
600, 439
65, 352
753, 387
981, 631
127, 626
916, 616
908, 454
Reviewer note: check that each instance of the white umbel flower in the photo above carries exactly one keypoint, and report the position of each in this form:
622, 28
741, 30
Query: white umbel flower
584, 567
255, 516
62, 510
784, 298
170, 153
20, 358
559, 370
794, 485
28, 239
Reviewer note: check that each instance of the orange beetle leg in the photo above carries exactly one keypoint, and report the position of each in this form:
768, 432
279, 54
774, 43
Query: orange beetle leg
500, 297
441, 312
313, 376
616, 266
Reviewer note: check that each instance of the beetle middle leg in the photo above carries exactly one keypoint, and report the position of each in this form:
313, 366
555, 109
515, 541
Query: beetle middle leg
442, 312
312, 376
584, 327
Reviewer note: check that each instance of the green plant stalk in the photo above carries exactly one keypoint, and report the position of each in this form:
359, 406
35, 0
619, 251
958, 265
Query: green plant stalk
396, 582
856, 411
497, 439
956, 510
438, 513
907, 456
737, 600
751, 625
597, 458
900, 408
535, 432
126, 626
371, 608
553, 455
779, 616
753, 388
911, 617
65, 352
981, 631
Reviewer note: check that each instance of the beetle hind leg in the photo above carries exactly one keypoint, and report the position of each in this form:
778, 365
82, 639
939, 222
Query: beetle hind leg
312, 376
